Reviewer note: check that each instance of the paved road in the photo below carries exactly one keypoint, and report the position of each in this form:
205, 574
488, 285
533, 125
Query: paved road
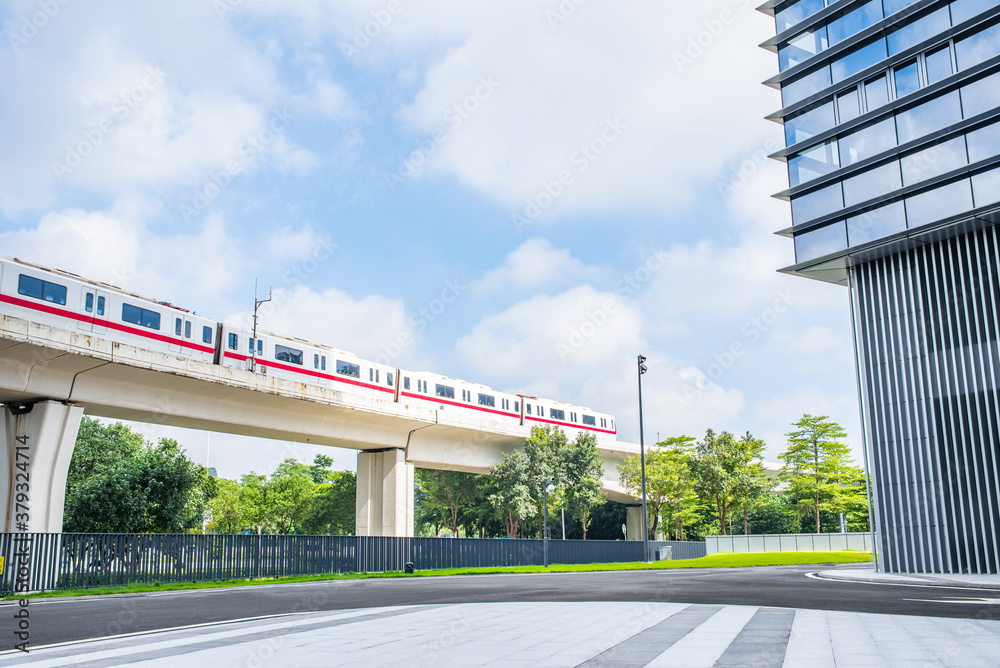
65, 620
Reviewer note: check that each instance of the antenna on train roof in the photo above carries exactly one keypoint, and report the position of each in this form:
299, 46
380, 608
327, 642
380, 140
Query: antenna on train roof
253, 340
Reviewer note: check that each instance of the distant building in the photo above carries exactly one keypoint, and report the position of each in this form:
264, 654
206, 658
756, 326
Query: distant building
891, 114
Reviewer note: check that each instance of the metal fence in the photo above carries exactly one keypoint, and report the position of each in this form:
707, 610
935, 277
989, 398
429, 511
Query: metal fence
790, 542
36, 562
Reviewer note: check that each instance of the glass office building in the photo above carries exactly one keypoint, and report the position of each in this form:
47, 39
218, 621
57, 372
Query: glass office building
891, 114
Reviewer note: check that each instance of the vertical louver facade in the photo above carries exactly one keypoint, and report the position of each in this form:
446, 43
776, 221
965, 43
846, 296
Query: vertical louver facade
926, 327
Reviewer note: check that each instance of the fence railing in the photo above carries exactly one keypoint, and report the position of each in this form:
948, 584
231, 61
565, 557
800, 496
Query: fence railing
37, 562
790, 542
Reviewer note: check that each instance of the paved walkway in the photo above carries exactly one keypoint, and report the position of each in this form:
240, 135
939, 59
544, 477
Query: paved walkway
550, 634
920, 579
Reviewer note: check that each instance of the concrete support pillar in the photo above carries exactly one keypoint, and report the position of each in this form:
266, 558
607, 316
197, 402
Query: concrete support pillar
385, 494
48, 431
633, 523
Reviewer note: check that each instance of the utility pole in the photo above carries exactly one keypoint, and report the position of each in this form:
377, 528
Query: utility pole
642, 462
253, 341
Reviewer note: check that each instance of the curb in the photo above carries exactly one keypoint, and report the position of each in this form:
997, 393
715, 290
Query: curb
906, 580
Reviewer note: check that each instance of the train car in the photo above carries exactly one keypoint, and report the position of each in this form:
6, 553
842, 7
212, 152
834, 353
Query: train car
306, 362
474, 404
68, 301
571, 419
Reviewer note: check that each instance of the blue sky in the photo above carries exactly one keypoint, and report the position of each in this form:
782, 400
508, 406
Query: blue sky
583, 180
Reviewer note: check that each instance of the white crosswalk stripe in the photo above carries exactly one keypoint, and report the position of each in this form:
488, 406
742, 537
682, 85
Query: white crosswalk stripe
551, 634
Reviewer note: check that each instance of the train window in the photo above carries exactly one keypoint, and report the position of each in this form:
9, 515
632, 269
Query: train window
187, 329
100, 306
315, 360
424, 382
206, 334
444, 391
406, 382
140, 316
345, 369
322, 363
590, 419
527, 409
177, 326
487, 400
234, 341
30, 286
286, 354
517, 407
388, 379
373, 375
556, 414
612, 424
89, 302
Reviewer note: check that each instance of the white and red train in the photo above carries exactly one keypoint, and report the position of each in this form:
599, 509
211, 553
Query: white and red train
68, 301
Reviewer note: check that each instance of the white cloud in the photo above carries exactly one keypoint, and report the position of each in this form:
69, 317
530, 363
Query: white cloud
536, 264
334, 318
560, 85
123, 108
115, 246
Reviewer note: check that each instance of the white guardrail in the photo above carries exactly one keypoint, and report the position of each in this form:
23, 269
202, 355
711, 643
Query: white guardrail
790, 542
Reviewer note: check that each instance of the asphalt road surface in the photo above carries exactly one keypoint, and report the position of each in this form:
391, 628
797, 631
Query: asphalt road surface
68, 619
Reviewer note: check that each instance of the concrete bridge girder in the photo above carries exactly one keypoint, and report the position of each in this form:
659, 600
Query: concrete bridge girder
56, 367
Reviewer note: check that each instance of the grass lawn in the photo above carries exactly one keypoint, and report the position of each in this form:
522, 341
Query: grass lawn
711, 561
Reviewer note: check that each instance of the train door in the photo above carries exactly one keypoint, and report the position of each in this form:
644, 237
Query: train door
93, 311
102, 310
183, 331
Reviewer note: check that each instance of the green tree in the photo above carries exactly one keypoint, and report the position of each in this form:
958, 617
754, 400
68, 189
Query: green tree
333, 506
582, 473
819, 470
153, 489
253, 502
773, 513
100, 446
228, 513
546, 451
668, 482
751, 478
288, 495
448, 490
511, 494
718, 463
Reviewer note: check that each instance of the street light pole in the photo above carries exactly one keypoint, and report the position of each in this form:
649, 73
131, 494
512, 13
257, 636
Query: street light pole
642, 464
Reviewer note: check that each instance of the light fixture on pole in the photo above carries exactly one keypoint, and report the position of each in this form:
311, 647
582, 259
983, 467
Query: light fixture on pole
547, 488
642, 463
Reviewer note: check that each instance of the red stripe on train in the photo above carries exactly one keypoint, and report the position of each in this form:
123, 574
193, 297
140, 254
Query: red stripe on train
72, 315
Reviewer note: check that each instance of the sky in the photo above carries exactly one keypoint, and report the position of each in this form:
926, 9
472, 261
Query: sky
524, 194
